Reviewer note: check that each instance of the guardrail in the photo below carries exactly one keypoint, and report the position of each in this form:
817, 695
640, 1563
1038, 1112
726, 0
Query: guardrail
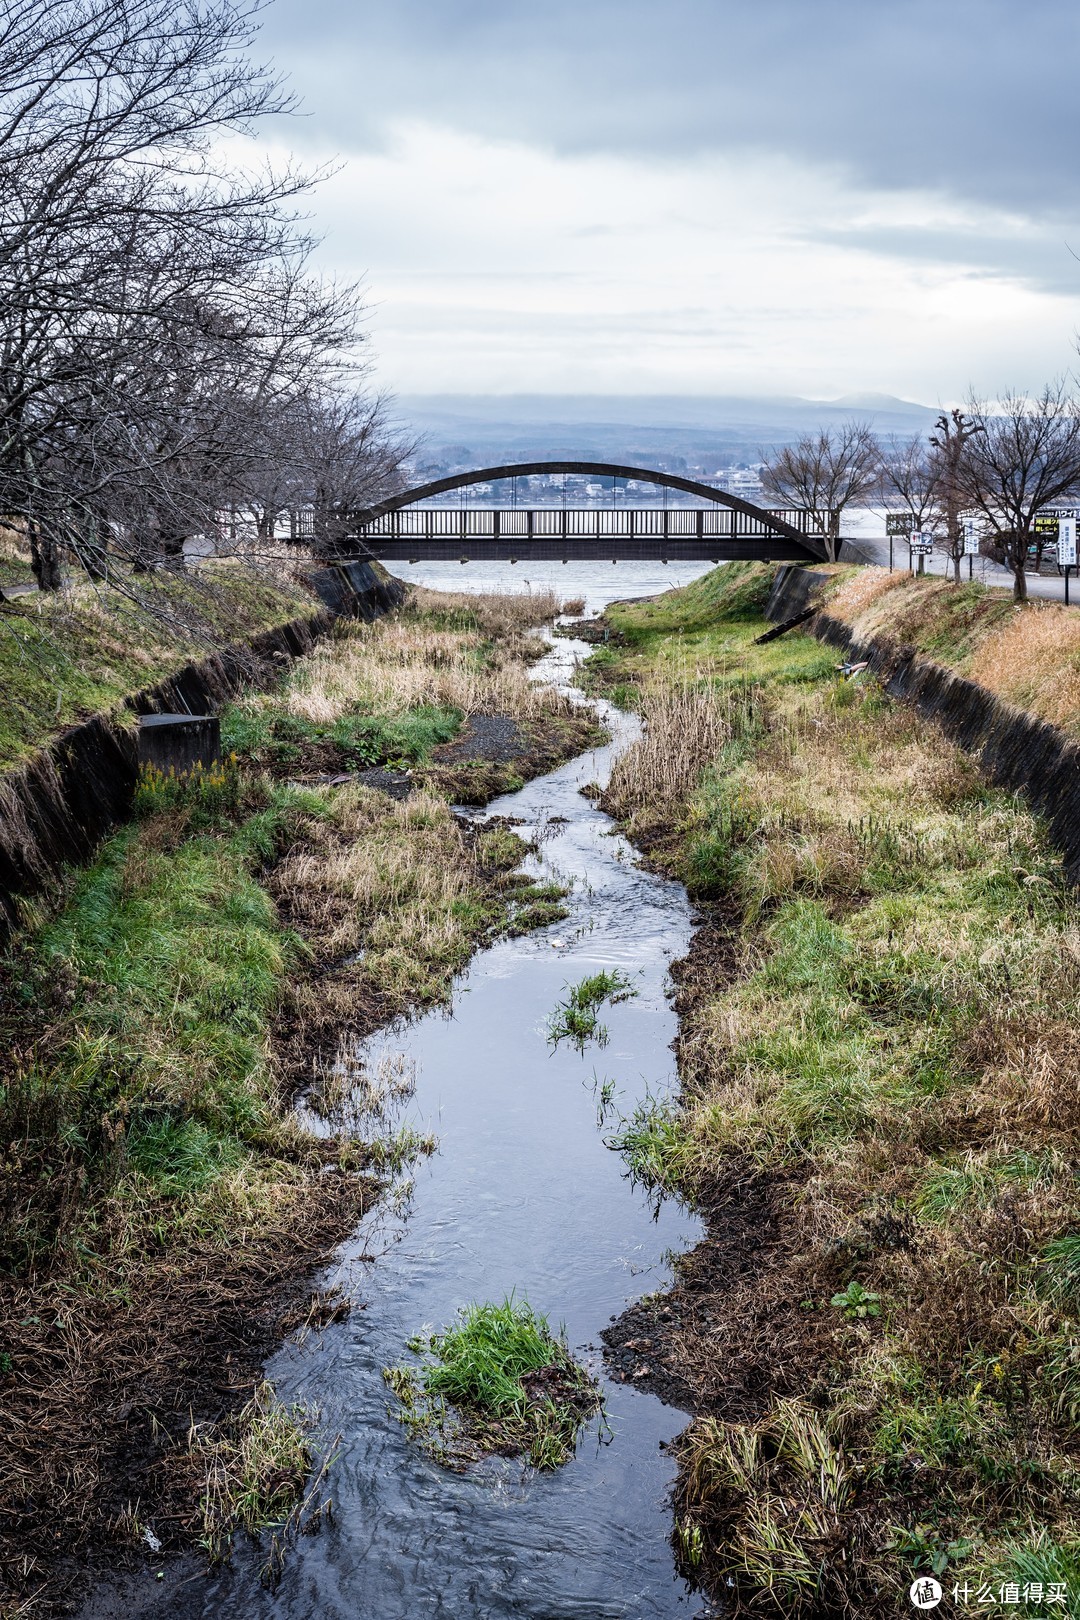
593, 523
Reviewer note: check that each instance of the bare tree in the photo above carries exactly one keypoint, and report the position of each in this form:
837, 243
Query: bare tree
354, 461
1020, 457
906, 472
152, 303
825, 473
949, 454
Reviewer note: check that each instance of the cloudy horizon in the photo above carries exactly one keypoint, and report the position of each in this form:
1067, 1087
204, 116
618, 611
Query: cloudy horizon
707, 199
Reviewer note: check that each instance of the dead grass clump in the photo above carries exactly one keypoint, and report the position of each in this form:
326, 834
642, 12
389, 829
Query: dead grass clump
391, 897
1029, 1073
404, 662
763, 1505
497, 614
1033, 660
855, 598
685, 725
253, 1469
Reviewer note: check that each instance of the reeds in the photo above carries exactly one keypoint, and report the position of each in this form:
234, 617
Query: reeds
686, 723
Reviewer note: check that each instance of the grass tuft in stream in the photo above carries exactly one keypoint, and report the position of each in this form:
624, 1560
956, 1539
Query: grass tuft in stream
575, 1019
499, 1383
254, 1469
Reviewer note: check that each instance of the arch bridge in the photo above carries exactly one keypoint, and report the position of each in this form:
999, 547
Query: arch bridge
401, 529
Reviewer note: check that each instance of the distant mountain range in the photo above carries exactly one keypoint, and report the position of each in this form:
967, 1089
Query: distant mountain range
636, 428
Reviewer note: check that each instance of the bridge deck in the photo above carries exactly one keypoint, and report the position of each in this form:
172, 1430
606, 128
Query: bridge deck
716, 534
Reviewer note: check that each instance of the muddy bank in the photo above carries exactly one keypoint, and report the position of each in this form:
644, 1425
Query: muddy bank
96, 1441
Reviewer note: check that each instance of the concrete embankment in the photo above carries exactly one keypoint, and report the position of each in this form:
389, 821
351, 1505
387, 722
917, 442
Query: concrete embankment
1014, 749
57, 807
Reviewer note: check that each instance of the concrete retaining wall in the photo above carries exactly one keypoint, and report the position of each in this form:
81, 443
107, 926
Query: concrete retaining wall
1015, 750
56, 809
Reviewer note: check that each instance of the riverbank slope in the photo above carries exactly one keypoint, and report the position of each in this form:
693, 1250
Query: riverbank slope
879, 1074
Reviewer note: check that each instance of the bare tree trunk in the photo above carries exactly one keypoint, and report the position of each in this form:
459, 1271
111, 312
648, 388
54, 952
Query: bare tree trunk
44, 559
1016, 555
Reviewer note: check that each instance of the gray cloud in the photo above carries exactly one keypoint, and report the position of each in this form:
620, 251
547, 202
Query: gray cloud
1039, 258
975, 97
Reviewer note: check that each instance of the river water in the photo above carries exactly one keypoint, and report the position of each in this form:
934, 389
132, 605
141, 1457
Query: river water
522, 1196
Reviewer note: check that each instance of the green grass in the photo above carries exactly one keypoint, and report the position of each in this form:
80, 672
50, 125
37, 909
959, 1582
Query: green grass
275, 739
575, 1019
652, 1141
471, 1393
1041, 1560
66, 656
710, 627
157, 1080
950, 1188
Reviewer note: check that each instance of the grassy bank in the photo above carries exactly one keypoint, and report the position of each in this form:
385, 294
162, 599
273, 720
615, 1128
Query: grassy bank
879, 1065
1027, 653
69, 654
161, 1204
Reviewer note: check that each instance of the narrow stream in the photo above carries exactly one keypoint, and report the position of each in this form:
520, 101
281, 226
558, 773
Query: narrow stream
522, 1196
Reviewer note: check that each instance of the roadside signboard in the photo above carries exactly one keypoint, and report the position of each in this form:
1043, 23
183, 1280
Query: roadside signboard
971, 538
1045, 525
921, 542
899, 524
1067, 540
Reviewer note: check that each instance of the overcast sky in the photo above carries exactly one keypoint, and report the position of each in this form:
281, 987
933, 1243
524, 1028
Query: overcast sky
822, 197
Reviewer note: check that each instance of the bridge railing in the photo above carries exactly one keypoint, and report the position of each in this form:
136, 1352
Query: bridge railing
465, 522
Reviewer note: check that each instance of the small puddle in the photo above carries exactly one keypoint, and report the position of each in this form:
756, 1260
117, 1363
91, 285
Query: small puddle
522, 1196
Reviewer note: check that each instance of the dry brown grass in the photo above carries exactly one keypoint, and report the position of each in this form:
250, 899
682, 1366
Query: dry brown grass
889, 1044
775, 1492
497, 614
390, 874
405, 661
13, 544
855, 599
1034, 661
1027, 654
685, 723
392, 898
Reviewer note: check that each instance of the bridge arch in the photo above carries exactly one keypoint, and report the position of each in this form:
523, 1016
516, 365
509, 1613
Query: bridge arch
807, 545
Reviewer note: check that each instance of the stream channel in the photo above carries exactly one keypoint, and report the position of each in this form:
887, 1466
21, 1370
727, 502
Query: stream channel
522, 1196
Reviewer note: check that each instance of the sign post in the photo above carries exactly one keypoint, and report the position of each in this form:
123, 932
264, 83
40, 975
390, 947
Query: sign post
971, 544
1045, 527
1067, 546
921, 543
897, 524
